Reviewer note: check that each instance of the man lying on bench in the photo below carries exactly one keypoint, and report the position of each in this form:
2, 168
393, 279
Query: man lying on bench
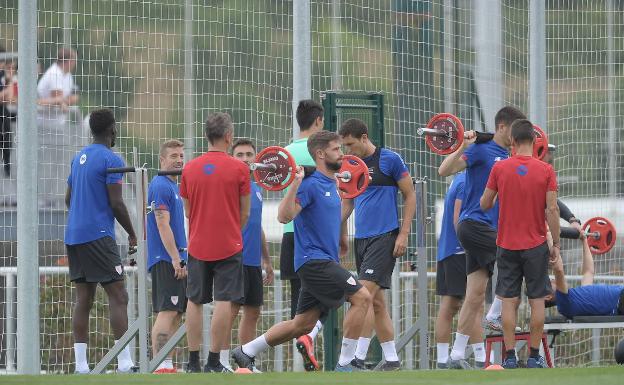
589, 299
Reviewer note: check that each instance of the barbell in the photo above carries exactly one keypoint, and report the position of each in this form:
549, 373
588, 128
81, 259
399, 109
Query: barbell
600, 233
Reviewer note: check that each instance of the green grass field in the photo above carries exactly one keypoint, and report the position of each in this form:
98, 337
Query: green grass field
572, 376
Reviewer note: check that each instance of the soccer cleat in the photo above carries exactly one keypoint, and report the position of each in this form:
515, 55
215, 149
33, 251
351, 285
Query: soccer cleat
510, 363
255, 370
242, 359
536, 363
496, 324
442, 365
165, 371
130, 370
390, 366
86, 371
193, 367
346, 368
305, 346
358, 363
219, 368
459, 364
479, 365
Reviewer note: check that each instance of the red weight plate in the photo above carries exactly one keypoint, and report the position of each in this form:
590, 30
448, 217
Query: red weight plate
359, 177
454, 129
540, 146
283, 176
607, 235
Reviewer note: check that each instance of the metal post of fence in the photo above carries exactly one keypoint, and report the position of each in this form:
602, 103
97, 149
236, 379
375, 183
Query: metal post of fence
28, 354
132, 305
277, 311
302, 57
409, 319
67, 9
9, 295
538, 102
140, 229
611, 113
595, 354
422, 219
395, 303
189, 84
336, 44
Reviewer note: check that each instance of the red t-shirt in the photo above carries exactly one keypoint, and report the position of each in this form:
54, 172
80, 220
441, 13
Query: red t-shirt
213, 184
522, 183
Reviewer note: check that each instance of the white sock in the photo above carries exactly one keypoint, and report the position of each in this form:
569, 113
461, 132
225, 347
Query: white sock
362, 348
166, 364
479, 351
443, 352
347, 352
224, 357
80, 352
389, 351
315, 331
495, 309
459, 346
124, 361
256, 346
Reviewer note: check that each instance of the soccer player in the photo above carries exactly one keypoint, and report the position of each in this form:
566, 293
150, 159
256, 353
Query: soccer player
309, 116
215, 190
94, 201
166, 245
315, 206
476, 230
524, 186
379, 237
451, 272
255, 258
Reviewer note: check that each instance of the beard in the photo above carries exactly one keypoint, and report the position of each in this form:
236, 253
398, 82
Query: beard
334, 166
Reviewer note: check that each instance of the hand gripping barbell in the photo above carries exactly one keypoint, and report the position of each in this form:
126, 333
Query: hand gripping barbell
600, 232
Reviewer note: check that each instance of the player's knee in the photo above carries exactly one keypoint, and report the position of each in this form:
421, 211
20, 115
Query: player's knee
362, 298
379, 304
120, 297
303, 326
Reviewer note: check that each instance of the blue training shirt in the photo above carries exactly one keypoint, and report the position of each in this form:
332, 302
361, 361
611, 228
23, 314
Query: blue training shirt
589, 300
480, 159
448, 243
376, 210
163, 194
252, 232
317, 227
90, 215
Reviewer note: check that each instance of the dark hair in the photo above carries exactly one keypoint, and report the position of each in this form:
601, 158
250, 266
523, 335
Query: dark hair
243, 142
522, 131
320, 141
507, 115
353, 127
217, 125
307, 112
100, 121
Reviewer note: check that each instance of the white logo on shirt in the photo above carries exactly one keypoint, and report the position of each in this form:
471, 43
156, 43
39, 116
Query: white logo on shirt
369, 271
83, 158
177, 197
351, 281
497, 159
327, 194
119, 269
259, 195
174, 299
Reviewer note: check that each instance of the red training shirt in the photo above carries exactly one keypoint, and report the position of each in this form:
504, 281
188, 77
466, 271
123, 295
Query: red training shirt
213, 183
522, 183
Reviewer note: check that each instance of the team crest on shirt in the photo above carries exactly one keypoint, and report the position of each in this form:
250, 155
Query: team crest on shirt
119, 269
83, 158
327, 194
351, 281
174, 299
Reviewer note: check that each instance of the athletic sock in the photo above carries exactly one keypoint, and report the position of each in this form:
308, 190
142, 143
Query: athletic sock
534, 353
389, 351
224, 357
194, 357
80, 352
347, 352
213, 359
459, 346
479, 351
124, 361
362, 348
256, 346
495, 309
315, 330
442, 350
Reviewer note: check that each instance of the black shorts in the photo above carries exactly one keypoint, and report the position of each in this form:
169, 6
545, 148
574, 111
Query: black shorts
479, 242
97, 261
451, 276
374, 260
287, 257
532, 264
226, 275
253, 289
168, 293
325, 285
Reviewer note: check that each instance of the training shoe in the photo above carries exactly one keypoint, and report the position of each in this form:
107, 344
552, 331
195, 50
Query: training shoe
132, 369
82, 371
390, 366
479, 365
165, 371
459, 364
305, 346
495, 324
193, 367
359, 364
219, 368
346, 368
442, 365
536, 363
242, 359
510, 363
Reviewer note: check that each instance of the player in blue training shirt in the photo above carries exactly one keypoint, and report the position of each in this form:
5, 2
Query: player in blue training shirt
166, 249
94, 201
589, 299
255, 258
451, 272
476, 230
379, 238
315, 206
